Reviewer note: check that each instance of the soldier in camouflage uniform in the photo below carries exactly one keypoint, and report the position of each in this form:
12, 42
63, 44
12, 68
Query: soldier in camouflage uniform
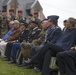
20, 18
36, 15
0, 26
29, 18
4, 23
12, 15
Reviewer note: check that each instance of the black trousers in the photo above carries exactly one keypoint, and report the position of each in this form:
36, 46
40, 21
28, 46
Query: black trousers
35, 49
66, 62
44, 49
8, 50
54, 49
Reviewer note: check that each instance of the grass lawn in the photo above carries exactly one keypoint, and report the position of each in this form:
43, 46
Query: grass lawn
12, 69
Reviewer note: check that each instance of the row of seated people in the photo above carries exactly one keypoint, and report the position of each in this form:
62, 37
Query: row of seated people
19, 33
62, 49
50, 33
40, 51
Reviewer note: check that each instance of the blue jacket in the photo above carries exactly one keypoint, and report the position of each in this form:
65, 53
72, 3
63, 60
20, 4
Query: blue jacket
52, 34
67, 39
8, 34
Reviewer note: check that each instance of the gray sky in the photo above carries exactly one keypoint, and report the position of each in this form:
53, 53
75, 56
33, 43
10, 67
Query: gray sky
63, 8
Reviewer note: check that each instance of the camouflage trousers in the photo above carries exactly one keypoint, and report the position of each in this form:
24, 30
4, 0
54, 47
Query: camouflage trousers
26, 49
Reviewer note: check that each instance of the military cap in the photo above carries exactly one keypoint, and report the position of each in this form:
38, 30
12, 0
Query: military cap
24, 23
34, 22
11, 10
53, 17
19, 11
35, 13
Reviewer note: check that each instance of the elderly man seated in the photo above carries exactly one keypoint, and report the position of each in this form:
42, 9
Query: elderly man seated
14, 35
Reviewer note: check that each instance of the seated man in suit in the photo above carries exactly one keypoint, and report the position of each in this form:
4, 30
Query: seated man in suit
66, 62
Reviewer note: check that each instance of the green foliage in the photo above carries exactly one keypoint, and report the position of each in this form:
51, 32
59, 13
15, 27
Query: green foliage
12, 69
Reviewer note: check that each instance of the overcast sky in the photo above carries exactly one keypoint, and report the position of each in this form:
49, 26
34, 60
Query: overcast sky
63, 8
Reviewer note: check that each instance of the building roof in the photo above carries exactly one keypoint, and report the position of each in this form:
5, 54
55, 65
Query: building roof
36, 5
5, 2
28, 5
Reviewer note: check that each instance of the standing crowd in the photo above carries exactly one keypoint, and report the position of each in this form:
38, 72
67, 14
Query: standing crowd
30, 42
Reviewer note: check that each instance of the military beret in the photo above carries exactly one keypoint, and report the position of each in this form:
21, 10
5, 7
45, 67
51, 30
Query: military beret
53, 17
45, 19
11, 10
19, 11
35, 13
30, 15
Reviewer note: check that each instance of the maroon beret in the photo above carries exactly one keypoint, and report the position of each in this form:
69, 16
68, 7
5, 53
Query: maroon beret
19, 11
11, 10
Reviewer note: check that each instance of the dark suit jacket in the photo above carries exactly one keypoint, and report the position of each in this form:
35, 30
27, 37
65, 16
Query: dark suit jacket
34, 34
23, 35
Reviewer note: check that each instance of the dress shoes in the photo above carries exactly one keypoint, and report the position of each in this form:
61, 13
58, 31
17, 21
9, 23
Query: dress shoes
28, 62
21, 64
54, 71
36, 69
11, 62
6, 59
28, 66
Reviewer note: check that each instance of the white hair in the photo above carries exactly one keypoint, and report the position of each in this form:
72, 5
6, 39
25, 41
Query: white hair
11, 22
16, 22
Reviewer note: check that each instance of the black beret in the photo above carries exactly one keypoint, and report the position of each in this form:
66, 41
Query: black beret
30, 15
4, 11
